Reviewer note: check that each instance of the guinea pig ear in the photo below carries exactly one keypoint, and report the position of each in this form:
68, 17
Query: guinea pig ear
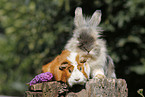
96, 18
63, 66
79, 20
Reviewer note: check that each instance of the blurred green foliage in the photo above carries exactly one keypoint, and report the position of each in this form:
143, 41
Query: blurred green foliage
33, 32
31, 29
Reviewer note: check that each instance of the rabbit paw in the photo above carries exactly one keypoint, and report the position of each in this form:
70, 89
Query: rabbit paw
100, 76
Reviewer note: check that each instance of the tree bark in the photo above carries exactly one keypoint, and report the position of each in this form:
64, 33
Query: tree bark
93, 88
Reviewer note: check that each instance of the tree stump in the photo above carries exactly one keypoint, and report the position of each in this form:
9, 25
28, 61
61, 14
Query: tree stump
93, 88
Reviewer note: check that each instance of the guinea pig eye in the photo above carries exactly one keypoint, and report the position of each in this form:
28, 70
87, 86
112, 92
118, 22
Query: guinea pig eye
80, 68
69, 71
65, 63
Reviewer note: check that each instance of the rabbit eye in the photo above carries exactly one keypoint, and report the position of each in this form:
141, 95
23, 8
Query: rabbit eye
83, 61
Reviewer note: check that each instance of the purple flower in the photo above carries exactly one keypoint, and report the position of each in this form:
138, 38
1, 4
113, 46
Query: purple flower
43, 77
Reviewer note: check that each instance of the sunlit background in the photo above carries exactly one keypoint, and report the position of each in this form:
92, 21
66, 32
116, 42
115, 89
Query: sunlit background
33, 32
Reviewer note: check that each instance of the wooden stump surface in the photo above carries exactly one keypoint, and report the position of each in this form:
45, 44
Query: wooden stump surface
93, 88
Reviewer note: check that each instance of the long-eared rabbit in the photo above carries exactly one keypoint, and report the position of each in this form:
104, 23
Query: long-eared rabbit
87, 43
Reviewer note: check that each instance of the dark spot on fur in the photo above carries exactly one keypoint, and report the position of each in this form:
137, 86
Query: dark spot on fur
86, 41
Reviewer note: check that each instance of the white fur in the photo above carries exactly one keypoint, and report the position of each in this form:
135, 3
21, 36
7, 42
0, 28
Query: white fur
77, 74
98, 54
87, 69
72, 58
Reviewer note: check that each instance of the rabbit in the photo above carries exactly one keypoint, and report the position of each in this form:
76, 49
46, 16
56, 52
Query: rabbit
87, 43
68, 68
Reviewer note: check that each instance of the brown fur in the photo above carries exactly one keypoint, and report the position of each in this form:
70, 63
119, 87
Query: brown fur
81, 66
61, 67
53, 67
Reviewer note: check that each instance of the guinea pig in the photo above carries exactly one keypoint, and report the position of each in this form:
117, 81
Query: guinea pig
67, 67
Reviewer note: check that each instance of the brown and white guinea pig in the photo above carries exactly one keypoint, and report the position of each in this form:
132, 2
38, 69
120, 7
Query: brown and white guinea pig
67, 67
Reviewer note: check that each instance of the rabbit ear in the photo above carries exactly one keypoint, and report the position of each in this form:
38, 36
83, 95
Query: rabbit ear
78, 20
96, 18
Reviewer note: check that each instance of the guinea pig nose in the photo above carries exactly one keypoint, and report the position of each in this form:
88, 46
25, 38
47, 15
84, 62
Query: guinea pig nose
77, 79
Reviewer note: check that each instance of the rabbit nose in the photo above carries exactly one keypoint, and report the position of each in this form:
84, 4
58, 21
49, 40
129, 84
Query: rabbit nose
77, 79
